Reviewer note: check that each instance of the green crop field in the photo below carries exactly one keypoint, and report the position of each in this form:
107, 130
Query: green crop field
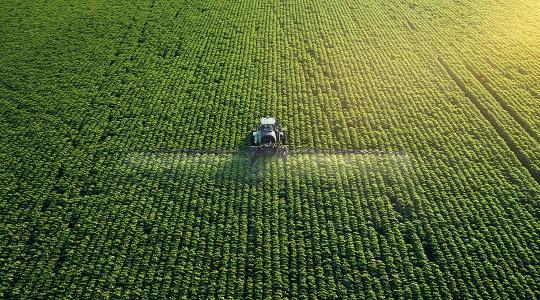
442, 95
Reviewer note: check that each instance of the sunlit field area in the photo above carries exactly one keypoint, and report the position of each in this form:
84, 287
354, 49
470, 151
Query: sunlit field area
413, 129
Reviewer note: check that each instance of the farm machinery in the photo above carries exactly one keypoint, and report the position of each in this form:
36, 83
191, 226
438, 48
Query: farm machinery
268, 138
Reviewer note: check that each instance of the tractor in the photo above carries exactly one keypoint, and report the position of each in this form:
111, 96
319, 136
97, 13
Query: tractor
268, 138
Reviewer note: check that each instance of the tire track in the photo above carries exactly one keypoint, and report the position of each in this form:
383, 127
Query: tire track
523, 159
522, 122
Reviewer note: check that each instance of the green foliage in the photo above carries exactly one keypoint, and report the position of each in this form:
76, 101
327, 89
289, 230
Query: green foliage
454, 84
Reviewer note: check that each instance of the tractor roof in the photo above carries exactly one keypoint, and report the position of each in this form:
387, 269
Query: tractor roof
268, 121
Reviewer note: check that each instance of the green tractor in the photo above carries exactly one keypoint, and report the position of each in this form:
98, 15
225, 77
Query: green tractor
268, 138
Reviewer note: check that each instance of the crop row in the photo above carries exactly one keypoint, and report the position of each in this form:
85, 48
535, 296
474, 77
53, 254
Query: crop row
84, 217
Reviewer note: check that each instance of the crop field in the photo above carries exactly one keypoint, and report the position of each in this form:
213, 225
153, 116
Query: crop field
440, 99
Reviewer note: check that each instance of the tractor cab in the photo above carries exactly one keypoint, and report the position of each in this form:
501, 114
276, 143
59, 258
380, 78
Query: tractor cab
268, 137
267, 124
